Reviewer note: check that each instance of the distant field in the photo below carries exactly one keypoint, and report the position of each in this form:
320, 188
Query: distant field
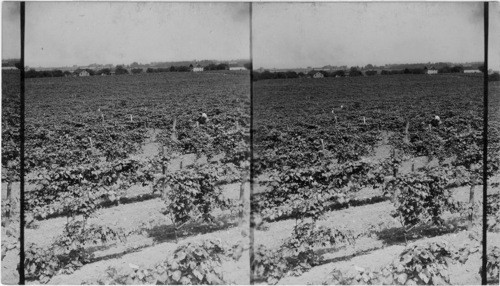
397, 97
158, 97
290, 112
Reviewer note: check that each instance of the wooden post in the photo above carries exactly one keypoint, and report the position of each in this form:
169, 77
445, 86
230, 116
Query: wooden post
336, 122
471, 205
163, 167
322, 146
9, 189
395, 169
364, 120
407, 132
174, 131
413, 167
131, 119
242, 197
91, 143
102, 116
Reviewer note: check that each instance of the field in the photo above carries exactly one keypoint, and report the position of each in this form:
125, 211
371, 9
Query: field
125, 187
10, 174
357, 185
354, 182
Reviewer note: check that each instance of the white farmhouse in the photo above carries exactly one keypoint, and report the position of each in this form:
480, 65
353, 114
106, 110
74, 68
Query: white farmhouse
83, 73
432, 70
318, 75
198, 68
237, 68
472, 71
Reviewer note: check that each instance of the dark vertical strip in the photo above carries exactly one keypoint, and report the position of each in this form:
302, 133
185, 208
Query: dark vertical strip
21, 173
485, 145
251, 145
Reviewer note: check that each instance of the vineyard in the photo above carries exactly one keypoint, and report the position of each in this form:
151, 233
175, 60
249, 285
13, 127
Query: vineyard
125, 186
358, 183
355, 180
10, 174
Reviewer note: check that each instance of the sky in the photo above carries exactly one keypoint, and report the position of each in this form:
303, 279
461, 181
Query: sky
11, 30
289, 35
494, 36
285, 35
82, 33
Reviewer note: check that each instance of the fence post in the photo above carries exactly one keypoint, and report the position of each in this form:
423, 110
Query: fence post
471, 204
174, 131
163, 167
407, 132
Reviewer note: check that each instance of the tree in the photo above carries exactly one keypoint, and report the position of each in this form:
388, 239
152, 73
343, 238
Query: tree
494, 77
248, 66
120, 70
371, 73
18, 65
354, 71
136, 71
105, 71
222, 67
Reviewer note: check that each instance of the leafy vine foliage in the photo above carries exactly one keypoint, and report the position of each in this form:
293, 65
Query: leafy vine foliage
82, 155
190, 264
191, 193
425, 264
422, 196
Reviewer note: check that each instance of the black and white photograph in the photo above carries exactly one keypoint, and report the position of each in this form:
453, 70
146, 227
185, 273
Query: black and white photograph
137, 143
11, 111
368, 144
221, 143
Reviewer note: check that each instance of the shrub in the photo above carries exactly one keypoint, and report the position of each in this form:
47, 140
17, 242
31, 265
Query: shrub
494, 77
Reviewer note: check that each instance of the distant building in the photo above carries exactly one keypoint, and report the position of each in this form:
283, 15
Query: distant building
237, 68
472, 71
198, 68
318, 75
83, 73
432, 70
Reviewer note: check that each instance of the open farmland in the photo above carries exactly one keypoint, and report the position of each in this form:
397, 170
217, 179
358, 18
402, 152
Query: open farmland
125, 187
11, 111
356, 182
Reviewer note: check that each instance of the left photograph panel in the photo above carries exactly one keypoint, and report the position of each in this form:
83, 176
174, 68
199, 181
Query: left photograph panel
137, 143
11, 113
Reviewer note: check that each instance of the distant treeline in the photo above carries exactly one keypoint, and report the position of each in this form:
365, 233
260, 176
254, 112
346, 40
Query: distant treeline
121, 70
353, 72
209, 67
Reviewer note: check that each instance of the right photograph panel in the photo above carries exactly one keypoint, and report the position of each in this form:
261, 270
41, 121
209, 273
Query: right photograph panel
493, 198
367, 144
